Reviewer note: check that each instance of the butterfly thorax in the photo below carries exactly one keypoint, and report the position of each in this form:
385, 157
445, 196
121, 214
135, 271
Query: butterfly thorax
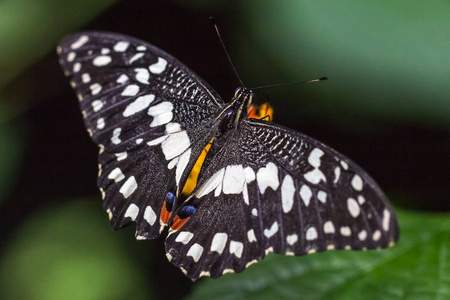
232, 114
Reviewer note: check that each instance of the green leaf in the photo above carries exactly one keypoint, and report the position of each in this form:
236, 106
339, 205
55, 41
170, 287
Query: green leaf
418, 267
70, 253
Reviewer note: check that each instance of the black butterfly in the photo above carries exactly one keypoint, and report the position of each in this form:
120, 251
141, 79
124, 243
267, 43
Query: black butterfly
262, 187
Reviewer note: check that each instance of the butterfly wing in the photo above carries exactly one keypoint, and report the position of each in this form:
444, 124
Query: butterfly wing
150, 116
271, 189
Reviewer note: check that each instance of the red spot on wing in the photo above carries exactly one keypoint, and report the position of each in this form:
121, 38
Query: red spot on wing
165, 214
260, 111
178, 222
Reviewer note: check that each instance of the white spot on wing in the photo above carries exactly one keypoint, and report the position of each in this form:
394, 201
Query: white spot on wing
344, 165
85, 77
268, 177
245, 194
376, 235
287, 193
211, 184
195, 252
115, 137
345, 231
122, 78
172, 128
182, 164
233, 180
315, 176
116, 175
159, 66
138, 105
130, 90
128, 187
76, 67
157, 141
337, 174
273, 229
322, 196
311, 234
121, 46
357, 182
80, 42
71, 56
328, 227
100, 123
101, 60
249, 174
95, 88
314, 157
251, 236
173, 163
255, 212
184, 237
353, 207
219, 241
305, 194
361, 200
204, 273
121, 155
149, 215
292, 239
236, 248
175, 144
386, 219
362, 235
162, 113
132, 211
136, 57
97, 105
142, 75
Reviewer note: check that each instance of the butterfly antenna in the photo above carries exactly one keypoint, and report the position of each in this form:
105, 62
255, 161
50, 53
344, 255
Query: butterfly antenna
225, 49
290, 83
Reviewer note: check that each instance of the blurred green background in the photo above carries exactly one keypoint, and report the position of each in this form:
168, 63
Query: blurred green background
386, 105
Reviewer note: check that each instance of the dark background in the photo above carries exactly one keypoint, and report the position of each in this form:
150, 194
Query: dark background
392, 123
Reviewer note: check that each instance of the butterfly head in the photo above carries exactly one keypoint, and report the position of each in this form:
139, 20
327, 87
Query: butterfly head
236, 110
243, 93
243, 98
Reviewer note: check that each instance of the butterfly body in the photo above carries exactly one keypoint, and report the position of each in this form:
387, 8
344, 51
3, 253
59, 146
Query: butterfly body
262, 187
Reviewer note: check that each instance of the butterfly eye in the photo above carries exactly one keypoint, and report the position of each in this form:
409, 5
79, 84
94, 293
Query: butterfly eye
225, 123
229, 112
238, 92
250, 98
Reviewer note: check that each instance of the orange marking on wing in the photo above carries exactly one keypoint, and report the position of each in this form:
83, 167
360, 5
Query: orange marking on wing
165, 214
178, 222
260, 111
193, 176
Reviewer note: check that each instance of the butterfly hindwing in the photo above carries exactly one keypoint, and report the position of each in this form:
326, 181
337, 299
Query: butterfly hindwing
148, 113
271, 189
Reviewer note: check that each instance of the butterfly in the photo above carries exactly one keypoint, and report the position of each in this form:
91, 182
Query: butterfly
261, 188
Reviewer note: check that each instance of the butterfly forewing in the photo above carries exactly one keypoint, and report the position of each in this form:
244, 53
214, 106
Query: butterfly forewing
271, 189
148, 113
